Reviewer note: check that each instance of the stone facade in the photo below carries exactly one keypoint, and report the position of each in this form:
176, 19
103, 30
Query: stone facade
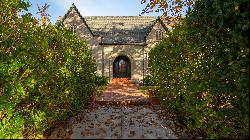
112, 36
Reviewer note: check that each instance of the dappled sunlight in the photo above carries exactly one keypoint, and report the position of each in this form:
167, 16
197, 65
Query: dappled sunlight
112, 36
121, 89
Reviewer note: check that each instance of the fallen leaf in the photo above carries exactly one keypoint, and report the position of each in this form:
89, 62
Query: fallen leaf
87, 132
132, 133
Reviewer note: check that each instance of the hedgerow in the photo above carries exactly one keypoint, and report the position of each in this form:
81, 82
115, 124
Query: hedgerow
148, 81
202, 69
46, 73
101, 80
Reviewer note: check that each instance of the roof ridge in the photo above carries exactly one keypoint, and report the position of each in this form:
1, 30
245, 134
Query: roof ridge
118, 29
121, 16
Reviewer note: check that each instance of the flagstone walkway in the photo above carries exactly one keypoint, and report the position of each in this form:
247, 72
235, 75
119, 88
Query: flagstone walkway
122, 94
122, 120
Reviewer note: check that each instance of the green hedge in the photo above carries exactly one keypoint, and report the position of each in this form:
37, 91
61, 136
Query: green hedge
148, 81
101, 80
202, 69
46, 74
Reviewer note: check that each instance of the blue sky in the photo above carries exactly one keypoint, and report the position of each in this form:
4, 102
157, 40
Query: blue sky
91, 7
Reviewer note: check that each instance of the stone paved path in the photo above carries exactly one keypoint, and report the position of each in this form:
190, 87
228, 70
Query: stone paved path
115, 92
138, 122
121, 121
122, 93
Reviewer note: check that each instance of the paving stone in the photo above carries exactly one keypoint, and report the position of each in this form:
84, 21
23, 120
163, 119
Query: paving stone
116, 122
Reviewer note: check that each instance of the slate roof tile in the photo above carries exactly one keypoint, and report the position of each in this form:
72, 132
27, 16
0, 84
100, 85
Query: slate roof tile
118, 29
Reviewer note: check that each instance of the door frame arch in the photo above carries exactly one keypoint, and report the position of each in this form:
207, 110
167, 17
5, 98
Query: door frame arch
111, 57
128, 65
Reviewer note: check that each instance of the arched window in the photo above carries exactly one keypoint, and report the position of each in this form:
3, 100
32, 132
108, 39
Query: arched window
73, 28
159, 34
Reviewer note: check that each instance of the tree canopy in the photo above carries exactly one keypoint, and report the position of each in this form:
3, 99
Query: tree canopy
170, 9
202, 69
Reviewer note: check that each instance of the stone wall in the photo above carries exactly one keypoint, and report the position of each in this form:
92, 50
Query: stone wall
133, 52
105, 55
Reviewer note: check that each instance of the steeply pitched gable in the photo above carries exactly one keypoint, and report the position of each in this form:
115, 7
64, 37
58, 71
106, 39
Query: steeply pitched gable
118, 29
158, 20
59, 22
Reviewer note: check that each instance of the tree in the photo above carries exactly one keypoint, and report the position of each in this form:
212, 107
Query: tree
202, 69
43, 11
170, 9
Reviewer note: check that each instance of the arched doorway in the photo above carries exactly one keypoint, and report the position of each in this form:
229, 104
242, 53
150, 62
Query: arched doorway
122, 67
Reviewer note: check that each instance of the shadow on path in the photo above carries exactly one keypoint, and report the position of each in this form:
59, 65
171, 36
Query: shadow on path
121, 112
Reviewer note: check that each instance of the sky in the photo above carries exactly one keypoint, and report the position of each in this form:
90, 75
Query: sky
90, 8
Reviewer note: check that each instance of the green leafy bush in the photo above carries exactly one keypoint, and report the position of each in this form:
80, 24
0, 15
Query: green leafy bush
148, 81
202, 69
46, 73
101, 80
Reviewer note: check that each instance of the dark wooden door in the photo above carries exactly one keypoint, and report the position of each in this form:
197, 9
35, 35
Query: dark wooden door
122, 67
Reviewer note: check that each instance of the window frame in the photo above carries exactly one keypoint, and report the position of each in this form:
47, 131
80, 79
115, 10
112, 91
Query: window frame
73, 28
159, 35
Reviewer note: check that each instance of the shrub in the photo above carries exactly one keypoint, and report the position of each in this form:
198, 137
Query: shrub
46, 74
101, 80
202, 69
148, 81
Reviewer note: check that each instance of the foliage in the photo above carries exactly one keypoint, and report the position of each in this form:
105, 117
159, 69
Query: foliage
46, 73
43, 11
148, 81
99, 90
202, 69
101, 80
147, 89
170, 9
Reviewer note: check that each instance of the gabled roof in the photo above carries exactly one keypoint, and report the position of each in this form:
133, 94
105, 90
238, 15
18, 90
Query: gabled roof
119, 29
161, 22
79, 14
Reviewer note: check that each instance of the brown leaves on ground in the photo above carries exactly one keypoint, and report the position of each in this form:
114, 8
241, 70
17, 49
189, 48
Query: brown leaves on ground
122, 81
132, 133
87, 132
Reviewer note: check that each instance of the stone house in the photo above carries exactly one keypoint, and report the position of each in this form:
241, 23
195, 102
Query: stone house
119, 44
